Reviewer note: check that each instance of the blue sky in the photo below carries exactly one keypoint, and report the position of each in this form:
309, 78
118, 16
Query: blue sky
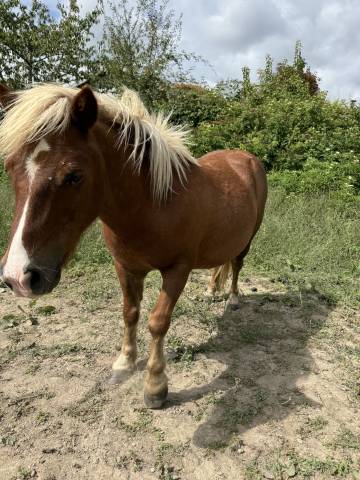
234, 33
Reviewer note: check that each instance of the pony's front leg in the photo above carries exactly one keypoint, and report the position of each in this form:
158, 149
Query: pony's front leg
132, 287
156, 383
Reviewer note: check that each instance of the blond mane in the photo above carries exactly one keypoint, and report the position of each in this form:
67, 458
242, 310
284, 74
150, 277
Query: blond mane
46, 109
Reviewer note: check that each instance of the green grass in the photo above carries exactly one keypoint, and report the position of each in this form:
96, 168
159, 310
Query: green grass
46, 310
307, 242
6, 209
280, 465
310, 243
347, 439
23, 474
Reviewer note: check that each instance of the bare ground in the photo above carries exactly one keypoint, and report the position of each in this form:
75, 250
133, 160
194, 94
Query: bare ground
268, 391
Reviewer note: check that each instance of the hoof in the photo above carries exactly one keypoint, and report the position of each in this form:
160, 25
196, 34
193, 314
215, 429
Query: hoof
155, 401
233, 302
120, 376
234, 306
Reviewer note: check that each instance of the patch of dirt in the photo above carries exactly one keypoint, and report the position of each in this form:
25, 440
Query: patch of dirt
267, 391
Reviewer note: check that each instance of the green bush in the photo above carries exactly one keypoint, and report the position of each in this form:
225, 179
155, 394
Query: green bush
191, 104
320, 176
288, 134
307, 142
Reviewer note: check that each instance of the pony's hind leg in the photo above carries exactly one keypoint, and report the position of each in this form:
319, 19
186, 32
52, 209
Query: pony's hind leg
156, 383
236, 266
213, 282
132, 287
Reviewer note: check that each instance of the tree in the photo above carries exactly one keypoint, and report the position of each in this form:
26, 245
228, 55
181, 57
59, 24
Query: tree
36, 45
192, 104
141, 48
310, 79
247, 88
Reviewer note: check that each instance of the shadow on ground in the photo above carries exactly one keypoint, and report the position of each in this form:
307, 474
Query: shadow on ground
264, 346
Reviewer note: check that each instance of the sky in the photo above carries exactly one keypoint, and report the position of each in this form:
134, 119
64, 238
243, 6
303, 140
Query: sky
233, 33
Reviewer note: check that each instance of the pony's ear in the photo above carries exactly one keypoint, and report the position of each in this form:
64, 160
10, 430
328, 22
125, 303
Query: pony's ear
6, 96
84, 109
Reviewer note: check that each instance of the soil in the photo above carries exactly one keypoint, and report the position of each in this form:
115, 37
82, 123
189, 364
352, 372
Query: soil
270, 390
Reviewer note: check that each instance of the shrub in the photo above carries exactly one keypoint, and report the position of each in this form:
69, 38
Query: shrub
192, 104
317, 176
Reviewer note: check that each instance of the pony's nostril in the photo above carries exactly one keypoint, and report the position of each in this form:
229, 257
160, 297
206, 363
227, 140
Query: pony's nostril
39, 283
36, 283
35, 280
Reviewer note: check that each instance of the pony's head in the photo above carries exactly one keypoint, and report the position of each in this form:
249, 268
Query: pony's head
52, 159
57, 142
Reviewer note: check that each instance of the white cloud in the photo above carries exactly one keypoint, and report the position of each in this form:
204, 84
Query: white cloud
241, 32
239, 26
234, 33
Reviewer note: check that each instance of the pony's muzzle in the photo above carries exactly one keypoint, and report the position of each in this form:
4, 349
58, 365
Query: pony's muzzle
40, 282
33, 282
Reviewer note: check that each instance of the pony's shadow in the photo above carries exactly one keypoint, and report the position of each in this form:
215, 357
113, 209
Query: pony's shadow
264, 348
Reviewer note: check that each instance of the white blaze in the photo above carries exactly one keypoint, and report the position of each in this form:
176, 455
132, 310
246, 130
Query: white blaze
18, 259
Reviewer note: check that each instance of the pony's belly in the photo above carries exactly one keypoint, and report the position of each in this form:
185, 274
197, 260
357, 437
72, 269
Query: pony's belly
213, 254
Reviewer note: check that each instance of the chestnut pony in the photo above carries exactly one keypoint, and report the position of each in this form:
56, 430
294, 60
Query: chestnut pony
75, 155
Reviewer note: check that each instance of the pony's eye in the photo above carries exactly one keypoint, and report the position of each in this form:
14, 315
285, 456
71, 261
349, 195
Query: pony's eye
73, 178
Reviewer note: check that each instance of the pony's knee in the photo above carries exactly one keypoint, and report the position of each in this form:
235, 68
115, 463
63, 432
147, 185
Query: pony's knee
131, 314
159, 324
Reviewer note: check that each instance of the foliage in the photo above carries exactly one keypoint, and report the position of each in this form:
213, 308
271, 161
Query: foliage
289, 123
192, 104
320, 176
38, 45
141, 48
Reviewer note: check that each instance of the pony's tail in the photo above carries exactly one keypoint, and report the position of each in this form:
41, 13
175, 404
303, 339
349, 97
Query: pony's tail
221, 275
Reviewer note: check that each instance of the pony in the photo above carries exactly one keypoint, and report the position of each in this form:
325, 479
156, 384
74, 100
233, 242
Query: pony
74, 155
